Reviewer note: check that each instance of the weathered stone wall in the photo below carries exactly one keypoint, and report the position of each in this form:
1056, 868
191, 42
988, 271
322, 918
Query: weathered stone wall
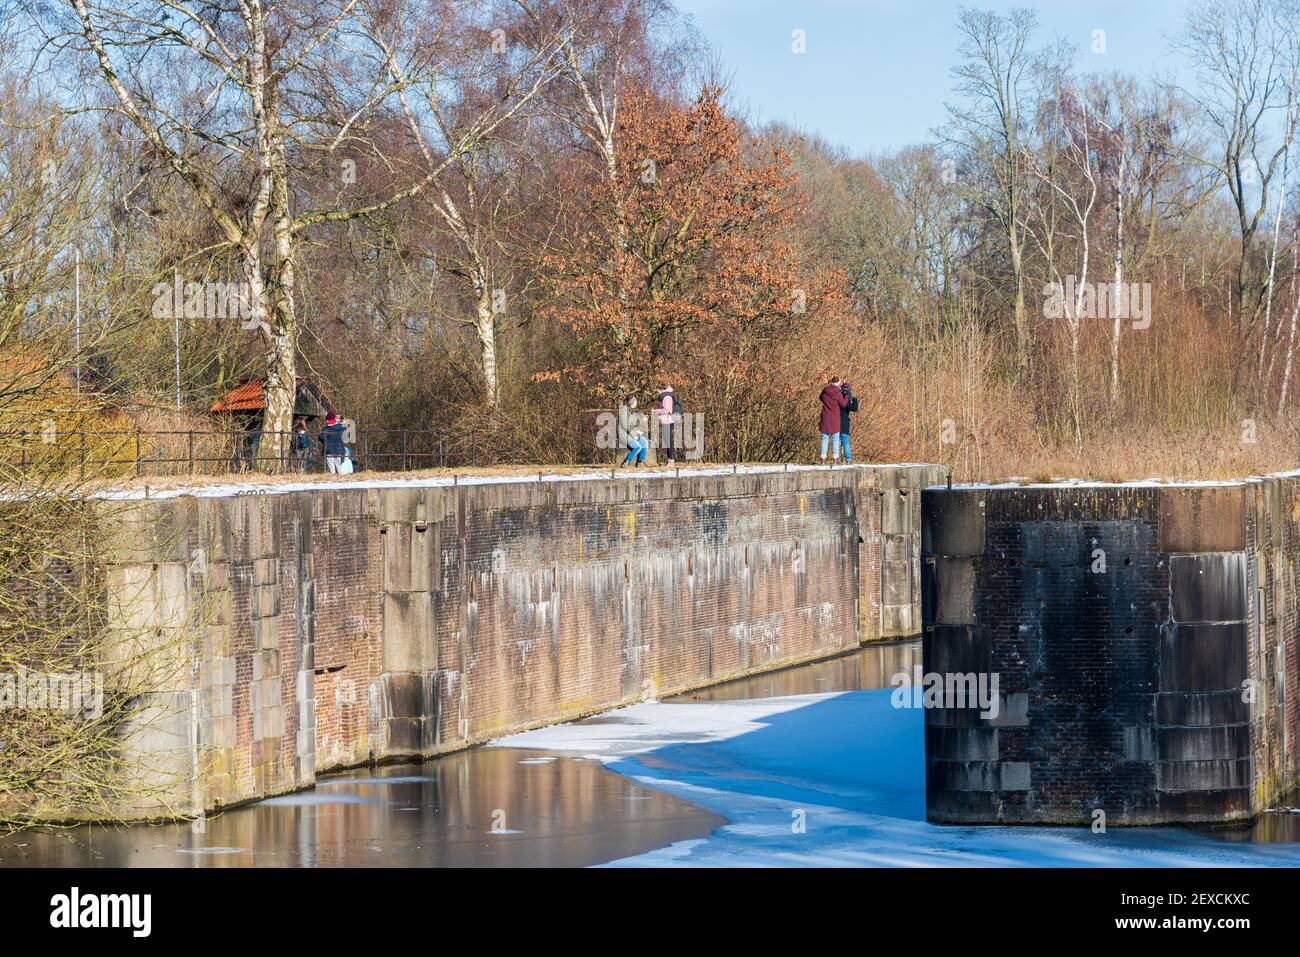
1143, 637
889, 526
342, 623
1273, 649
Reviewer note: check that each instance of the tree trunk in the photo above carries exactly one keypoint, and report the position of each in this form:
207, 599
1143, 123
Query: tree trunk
1076, 398
279, 392
485, 326
1295, 314
1117, 326
1277, 238
281, 333
1020, 318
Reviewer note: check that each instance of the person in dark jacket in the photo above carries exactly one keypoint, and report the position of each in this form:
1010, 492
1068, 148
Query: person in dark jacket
845, 412
301, 445
331, 438
833, 403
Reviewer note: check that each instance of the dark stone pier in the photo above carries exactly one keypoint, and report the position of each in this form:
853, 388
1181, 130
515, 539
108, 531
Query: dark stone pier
1143, 637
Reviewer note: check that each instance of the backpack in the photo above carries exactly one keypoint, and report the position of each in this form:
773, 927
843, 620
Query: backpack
679, 407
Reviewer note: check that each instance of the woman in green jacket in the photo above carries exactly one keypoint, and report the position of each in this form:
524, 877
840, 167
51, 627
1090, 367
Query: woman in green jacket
631, 432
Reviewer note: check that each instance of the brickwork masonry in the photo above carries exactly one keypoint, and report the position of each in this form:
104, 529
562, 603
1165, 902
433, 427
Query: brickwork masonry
1145, 641
347, 623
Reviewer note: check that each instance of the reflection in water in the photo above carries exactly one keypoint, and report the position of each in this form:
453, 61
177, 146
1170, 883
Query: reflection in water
483, 807
1280, 825
871, 666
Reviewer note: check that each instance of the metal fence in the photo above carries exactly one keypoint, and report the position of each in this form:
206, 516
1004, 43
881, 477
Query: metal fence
140, 452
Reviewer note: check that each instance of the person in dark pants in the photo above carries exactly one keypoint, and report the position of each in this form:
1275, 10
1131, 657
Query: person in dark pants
250, 442
302, 445
844, 420
331, 440
668, 414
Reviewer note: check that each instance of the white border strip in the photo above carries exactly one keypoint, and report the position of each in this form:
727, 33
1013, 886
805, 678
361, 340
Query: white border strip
253, 487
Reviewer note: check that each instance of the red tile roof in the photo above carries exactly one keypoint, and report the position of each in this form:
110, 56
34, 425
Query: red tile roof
246, 397
242, 398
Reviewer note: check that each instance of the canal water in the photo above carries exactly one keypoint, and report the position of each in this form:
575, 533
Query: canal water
664, 798
497, 807
865, 669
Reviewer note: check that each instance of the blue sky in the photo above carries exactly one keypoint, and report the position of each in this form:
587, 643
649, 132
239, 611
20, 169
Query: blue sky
876, 72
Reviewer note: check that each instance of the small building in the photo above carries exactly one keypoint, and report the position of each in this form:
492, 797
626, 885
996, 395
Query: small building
246, 402
245, 405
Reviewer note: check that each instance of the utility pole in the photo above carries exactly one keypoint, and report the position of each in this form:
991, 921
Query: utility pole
176, 314
76, 313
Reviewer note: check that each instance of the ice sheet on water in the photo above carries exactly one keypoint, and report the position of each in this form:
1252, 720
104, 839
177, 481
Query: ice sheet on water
838, 779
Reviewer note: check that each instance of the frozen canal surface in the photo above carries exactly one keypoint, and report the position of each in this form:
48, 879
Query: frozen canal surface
837, 778
807, 766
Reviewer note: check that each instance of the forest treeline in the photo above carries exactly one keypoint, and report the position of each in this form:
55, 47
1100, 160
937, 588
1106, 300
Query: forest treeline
497, 217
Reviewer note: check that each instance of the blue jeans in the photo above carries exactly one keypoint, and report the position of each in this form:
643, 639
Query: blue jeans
834, 439
844, 444
636, 449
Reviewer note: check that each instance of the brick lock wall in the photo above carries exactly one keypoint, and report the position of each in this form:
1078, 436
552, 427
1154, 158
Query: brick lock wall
346, 621
250, 597
560, 599
1121, 686
338, 626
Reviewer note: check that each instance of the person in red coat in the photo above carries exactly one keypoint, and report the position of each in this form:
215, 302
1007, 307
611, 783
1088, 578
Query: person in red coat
833, 401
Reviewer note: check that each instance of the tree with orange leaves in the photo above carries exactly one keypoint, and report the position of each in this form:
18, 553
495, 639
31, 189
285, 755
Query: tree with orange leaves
681, 268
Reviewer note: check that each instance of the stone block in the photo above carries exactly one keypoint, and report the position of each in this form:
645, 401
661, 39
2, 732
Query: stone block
896, 583
268, 601
409, 633
144, 532
403, 695
962, 775
265, 571
1209, 775
895, 513
1227, 742
979, 743
266, 633
952, 522
1013, 776
1202, 709
1209, 587
1203, 658
900, 548
1202, 519
957, 649
1013, 711
949, 587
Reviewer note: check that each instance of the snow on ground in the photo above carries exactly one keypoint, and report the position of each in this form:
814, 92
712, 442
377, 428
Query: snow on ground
257, 485
849, 767
1151, 482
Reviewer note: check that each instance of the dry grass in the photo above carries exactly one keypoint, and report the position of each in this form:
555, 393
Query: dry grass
1168, 457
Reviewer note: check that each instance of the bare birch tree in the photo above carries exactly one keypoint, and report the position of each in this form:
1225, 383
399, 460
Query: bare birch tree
1240, 53
988, 128
247, 99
